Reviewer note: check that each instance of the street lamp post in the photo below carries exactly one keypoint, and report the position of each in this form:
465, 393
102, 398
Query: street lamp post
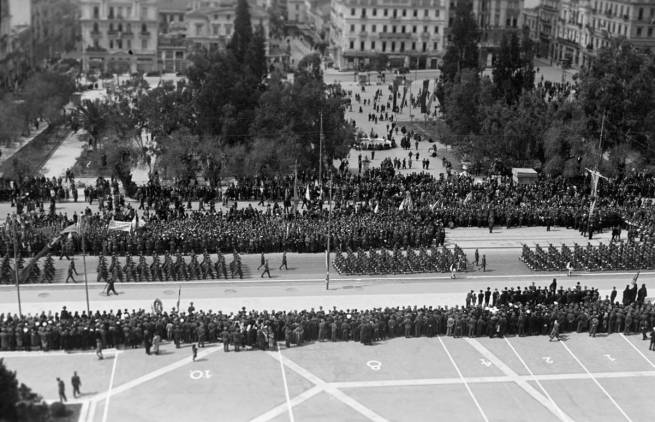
327, 250
20, 309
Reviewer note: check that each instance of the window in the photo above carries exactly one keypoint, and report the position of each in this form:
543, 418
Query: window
639, 29
393, 46
402, 46
119, 44
393, 29
361, 46
395, 13
436, 13
96, 12
198, 29
372, 45
352, 27
228, 29
111, 44
434, 46
425, 28
363, 12
426, 12
228, 17
216, 17
215, 28
404, 12
373, 28
129, 44
352, 12
386, 12
650, 32
436, 29
120, 27
384, 46
144, 44
641, 13
111, 27
111, 13
402, 29
415, 12
425, 46
144, 12
363, 28
413, 46
95, 27
384, 28
129, 28
514, 22
375, 12
414, 29
352, 45
507, 22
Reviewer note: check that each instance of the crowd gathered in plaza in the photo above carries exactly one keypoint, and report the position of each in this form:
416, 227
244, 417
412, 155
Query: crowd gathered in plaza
528, 311
379, 209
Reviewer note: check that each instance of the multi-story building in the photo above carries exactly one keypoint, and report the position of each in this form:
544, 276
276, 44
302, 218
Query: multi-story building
55, 28
495, 18
541, 21
210, 24
585, 26
409, 33
296, 11
15, 47
119, 35
172, 45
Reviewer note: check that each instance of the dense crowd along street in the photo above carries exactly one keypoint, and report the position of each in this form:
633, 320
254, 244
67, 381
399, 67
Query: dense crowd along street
528, 311
378, 209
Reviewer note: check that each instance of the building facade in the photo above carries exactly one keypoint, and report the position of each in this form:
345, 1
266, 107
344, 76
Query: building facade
585, 26
172, 45
119, 36
210, 24
404, 33
55, 28
15, 49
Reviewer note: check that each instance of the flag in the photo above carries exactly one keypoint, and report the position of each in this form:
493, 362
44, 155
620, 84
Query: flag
135, 223
124, 226
402, 205
307, 194
377, 208
179, 293
634, 279
73, 228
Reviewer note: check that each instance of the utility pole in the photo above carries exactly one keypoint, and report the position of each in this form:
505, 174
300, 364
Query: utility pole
320, 155
20, 309
86, 281
595, 176
327, 250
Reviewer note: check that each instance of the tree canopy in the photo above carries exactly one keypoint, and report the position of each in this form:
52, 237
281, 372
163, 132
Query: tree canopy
463, 51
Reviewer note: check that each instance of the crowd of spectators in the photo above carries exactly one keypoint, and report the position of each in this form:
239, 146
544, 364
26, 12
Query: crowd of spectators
532, 310
374, 210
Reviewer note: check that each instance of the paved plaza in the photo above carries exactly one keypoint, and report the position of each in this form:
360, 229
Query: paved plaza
442, 378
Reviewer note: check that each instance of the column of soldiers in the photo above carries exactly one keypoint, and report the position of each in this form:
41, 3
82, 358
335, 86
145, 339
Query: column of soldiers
170, 269
615, 256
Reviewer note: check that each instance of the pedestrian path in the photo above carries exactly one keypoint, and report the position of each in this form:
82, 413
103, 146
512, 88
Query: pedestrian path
64, 156
6, 152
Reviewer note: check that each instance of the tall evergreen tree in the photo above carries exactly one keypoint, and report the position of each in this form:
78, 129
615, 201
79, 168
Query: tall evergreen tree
242, 31
463, 50
256, 54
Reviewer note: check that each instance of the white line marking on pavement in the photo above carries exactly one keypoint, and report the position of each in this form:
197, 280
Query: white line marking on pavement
154, 374
333, 391
638, 351
111, 385
41, 354
596, 382
466, 385
92, 411
286, 386
520, 381
84, 411
278, 410
562, 415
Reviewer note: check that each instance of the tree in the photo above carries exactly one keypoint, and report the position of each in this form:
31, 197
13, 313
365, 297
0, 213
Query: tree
462, 52
7, 275
91, 116
617, 93
242, 31
256, 54
9, 396
462, 103
513, 71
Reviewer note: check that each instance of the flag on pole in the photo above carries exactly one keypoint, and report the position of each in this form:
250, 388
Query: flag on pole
179, 293
377, 208
634, 279
307, 194
73, 228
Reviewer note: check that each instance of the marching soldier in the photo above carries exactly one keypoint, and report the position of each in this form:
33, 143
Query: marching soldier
284, 261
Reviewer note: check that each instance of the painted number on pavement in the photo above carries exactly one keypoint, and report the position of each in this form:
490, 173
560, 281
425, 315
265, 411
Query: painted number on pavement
197, 374
547, 359
609, 357
485, 363
375, 365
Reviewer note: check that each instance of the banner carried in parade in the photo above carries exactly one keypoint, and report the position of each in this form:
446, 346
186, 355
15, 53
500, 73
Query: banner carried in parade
124, 226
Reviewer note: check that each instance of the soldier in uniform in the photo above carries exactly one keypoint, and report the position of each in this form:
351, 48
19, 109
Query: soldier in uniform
71, 270
284, 261
266, 269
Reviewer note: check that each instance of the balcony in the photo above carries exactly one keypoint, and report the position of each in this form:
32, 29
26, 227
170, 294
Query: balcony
626, 17
145, 34
96, 34
127, 34
363, 34
112, 33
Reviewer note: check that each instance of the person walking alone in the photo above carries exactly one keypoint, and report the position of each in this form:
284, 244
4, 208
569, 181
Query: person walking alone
61, 388
71, 270
266, 270
284, 261
76, 382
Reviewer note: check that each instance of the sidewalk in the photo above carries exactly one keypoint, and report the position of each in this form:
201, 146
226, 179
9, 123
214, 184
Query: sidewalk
8, 152
64, 157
